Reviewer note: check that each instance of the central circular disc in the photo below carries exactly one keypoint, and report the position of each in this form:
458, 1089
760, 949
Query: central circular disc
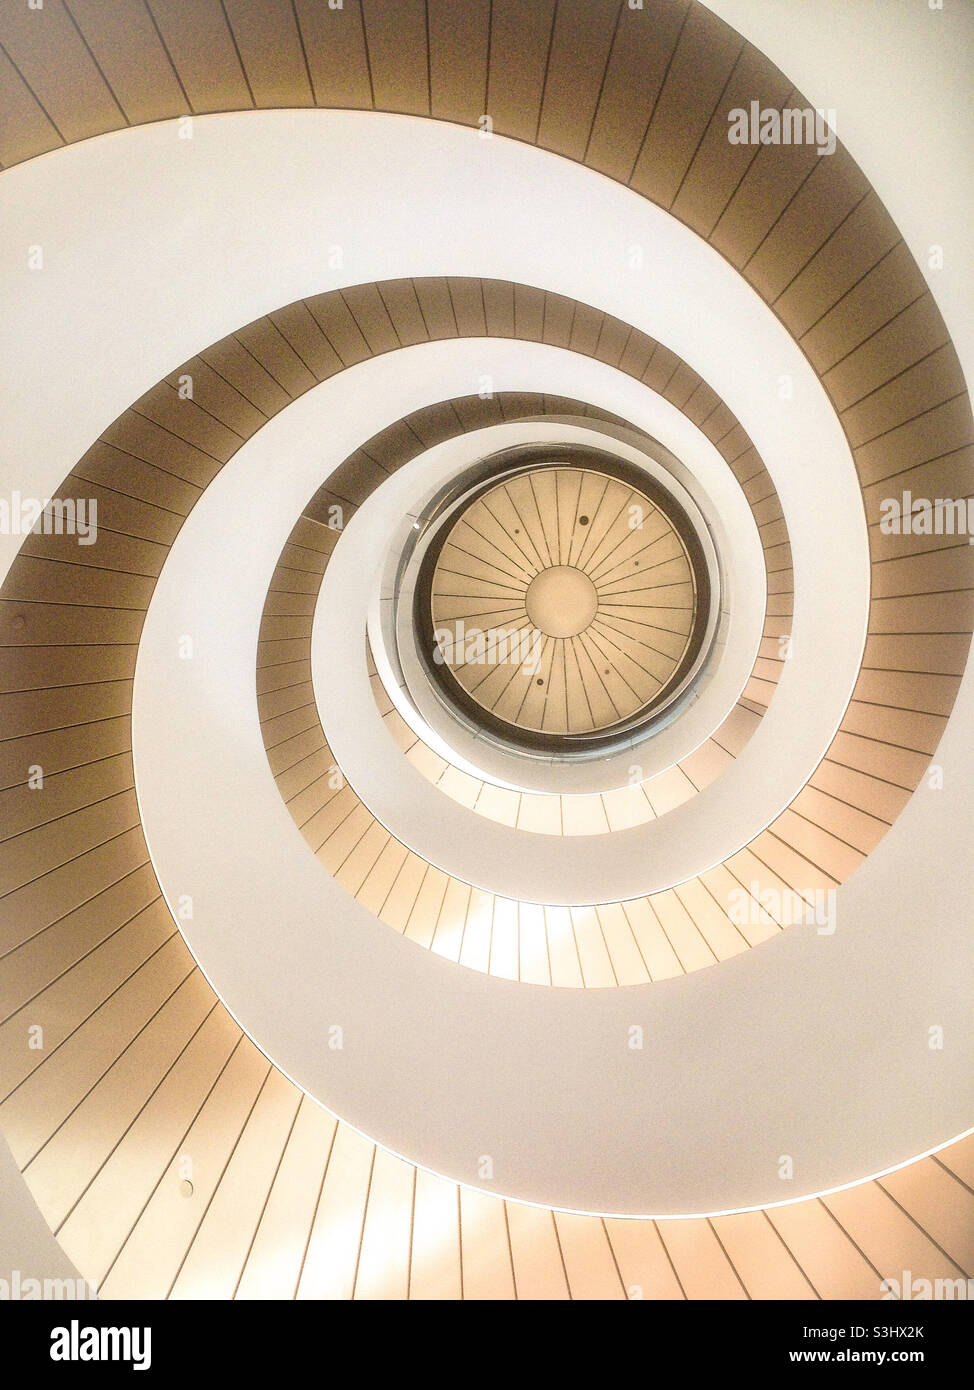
561, 601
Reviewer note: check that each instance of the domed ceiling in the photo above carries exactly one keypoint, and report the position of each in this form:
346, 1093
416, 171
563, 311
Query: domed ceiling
563, 601
486, 795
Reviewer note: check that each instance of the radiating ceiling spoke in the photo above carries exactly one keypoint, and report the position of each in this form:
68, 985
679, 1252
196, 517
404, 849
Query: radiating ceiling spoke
552, 551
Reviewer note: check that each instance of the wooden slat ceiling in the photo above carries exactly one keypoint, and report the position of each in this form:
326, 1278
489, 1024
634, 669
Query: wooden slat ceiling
836, 820
807, 232
636, 942
141, 1064
150, 465
173, 1161
284, 653
596, 612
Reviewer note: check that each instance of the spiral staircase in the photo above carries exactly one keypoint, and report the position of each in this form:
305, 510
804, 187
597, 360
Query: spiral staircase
329, 970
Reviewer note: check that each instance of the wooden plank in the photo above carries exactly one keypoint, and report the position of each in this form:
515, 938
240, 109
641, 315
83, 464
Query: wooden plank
699, 1259
135, 433
46, 899
857, 244
98, 1227
36, 964
892, 284
217, 396
203, 52
640, 56
402, 305
298, 327
62, 794
830, 193
366, 307
26, 130
580, 44
42, 1102
63, 77
274, 1261
458, 37
130, 53
268, 346
216, 1255
333, 1248
152, 1256
434, 1271
395, 32
703, 61
914, 391
267, 40
133, 477
718, 166
433, 295
932, 435
334, 45
64, 1167
772, 180
519, 41
589, 1266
